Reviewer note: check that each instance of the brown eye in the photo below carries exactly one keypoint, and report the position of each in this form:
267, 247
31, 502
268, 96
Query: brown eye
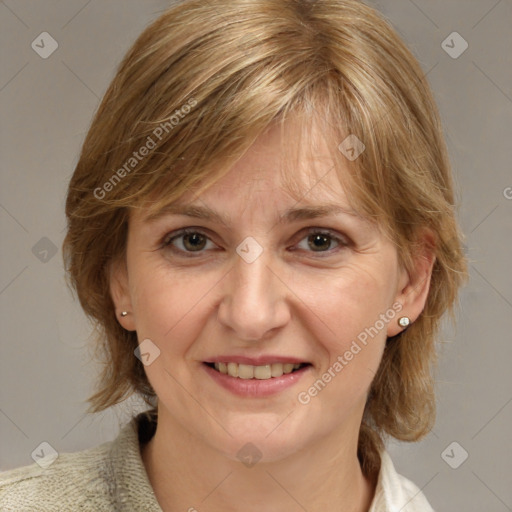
186, 241
319, 241
194, 241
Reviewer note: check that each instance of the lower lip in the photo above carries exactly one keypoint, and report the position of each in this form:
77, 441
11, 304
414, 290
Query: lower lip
255, 387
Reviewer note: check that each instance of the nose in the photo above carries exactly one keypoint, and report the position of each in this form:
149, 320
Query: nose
254, 299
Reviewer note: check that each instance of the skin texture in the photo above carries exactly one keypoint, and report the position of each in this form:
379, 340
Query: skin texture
296, 299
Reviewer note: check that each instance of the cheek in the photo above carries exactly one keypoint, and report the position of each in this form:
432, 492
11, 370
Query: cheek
170, 308
351, 300
348, 317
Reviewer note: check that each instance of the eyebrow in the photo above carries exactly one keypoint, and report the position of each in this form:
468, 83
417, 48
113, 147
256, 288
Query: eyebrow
288, 216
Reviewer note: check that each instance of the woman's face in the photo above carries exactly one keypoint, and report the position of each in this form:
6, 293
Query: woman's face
272, 285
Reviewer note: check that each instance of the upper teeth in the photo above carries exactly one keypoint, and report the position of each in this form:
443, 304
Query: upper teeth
248, 371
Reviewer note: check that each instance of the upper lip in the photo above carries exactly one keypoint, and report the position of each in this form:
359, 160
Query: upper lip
255, 361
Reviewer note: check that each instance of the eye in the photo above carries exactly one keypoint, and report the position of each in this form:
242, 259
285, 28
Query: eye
190, 240
187, 240
321, 241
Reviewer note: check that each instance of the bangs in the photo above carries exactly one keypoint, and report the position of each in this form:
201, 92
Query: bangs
303, 122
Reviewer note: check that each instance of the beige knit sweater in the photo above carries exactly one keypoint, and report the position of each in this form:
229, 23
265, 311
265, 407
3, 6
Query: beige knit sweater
112, 477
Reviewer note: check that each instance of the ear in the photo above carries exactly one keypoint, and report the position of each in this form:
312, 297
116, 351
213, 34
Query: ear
414, 284
119, 291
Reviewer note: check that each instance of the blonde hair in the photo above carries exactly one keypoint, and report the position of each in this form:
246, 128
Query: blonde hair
196, 89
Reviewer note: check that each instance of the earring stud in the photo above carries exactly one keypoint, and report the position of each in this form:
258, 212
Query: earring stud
124, 313
404, 321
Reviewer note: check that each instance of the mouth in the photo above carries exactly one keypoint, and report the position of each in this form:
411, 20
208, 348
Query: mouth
251, 372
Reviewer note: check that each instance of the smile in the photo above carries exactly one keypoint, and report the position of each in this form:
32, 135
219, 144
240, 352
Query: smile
256, 381
263, 372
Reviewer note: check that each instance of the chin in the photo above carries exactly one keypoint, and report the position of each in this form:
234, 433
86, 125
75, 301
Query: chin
264, 437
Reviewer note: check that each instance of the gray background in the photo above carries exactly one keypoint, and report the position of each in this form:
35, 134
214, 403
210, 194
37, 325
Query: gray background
46, 106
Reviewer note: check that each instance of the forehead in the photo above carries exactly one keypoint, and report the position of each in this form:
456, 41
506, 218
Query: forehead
226, 203
291, 164
287, 162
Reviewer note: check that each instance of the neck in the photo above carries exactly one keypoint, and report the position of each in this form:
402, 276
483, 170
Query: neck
187, 474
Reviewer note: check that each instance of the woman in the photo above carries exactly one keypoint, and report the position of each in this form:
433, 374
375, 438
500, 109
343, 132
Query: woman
262, 225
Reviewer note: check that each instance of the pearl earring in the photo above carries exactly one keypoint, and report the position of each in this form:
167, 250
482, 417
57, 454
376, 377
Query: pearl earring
404, 321
124, 313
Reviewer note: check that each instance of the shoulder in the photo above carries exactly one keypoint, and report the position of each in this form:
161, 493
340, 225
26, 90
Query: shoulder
108, 477
79, 480
396, 492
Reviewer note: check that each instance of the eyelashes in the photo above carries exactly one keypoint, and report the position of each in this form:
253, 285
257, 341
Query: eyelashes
193, 242
170, 238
